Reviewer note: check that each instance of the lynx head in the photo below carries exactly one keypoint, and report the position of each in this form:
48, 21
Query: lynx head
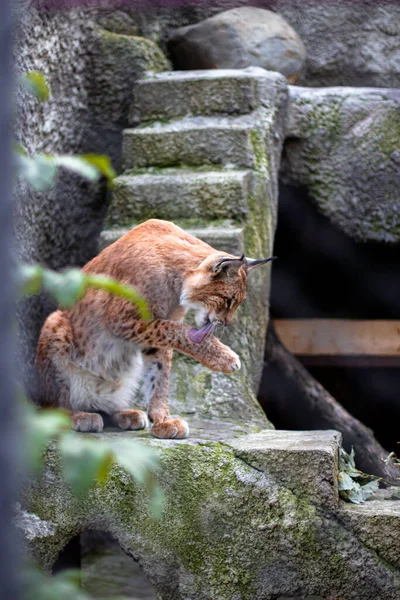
215, 290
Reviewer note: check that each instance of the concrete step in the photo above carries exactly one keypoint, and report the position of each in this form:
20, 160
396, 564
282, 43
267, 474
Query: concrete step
222, 235
306, 462
192, 141
377, 524
180, 194
217, 91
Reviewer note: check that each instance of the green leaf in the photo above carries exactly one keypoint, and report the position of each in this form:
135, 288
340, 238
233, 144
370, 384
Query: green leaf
42, 426
354, 485
101, 282
30, 279
78, 165
36, 84
85, 462
39, 171
102, 164
67, 288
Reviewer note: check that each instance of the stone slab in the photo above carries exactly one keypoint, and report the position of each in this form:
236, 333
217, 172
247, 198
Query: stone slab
206, 93
306, 462
191, 141
377, 524
180, 194
229, 530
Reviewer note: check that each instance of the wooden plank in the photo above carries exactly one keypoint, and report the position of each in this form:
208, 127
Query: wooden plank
340, 338
365, 361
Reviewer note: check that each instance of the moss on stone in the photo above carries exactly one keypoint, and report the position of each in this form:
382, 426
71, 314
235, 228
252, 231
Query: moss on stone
143, 51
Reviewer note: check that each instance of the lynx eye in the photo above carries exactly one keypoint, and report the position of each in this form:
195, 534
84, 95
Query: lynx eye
229, 302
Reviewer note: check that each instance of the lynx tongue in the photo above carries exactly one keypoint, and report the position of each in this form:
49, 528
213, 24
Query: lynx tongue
197, 335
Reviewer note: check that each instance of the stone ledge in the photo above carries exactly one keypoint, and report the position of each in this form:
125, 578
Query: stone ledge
208, 92
223, 235
180, 194
305, 462
377, 524
229, 529
343, 146
191, 141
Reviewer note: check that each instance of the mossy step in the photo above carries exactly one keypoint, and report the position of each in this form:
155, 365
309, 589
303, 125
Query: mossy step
175, 194
223, 235
207, 92
230, 528
305, 460
192, 141
377, 524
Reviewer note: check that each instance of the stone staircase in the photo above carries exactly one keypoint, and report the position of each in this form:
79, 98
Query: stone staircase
246, 517
205, 154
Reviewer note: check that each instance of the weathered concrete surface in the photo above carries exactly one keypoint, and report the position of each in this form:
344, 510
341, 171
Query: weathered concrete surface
191, 141
205, 93
373, 522
229, 530
236, 39
305, 462
343, 144
180, 194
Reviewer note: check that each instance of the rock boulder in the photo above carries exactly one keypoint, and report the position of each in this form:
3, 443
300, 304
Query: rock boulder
343, 145
237, 39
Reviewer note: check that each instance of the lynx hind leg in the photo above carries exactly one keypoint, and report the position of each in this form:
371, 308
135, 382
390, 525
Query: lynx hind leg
158, 369
52, 364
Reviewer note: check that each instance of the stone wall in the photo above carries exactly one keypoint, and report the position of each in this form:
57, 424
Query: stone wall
91, 73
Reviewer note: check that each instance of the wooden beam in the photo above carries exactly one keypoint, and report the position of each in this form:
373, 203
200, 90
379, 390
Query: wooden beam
342, 341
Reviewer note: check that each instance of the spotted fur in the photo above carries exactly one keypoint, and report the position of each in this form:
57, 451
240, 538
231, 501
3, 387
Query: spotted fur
92, 357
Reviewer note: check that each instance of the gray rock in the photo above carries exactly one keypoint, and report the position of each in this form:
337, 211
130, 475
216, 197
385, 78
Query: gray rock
237, 39
191, 141
342, 144
230, 530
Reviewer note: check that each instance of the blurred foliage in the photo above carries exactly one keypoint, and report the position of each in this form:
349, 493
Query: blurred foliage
35, 84
354, 485
37, 585
87, 461
70, 286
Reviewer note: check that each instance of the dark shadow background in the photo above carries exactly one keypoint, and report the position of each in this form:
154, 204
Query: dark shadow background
323, 273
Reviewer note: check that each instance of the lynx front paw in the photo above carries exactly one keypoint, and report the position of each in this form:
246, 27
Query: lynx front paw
130, 419
230, 362
170, 429
226, 361
87, 422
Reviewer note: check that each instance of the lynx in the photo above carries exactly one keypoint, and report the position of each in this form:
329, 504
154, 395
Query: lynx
92, 357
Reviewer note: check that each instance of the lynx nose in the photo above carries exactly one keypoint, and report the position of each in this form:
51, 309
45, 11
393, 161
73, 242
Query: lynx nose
228, 320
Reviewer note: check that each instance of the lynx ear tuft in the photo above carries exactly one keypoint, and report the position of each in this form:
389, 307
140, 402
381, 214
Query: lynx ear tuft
251, 263
225, 264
